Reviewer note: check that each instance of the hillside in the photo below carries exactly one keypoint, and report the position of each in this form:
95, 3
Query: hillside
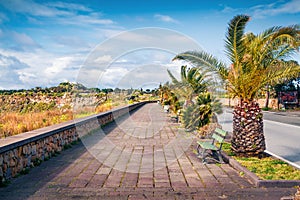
25, 110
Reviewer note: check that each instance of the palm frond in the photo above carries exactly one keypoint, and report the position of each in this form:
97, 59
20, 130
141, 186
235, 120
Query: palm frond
174, 80
289, 32
257, 60
281, 71
234, 37
278, 42
204, 61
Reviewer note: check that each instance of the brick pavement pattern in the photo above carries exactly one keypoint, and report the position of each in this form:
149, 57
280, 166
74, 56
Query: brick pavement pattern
141, 156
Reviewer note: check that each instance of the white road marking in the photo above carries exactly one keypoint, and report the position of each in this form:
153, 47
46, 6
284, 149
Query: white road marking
290, 125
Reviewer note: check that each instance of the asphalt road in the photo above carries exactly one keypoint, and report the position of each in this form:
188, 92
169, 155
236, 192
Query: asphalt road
292, 118
282, 133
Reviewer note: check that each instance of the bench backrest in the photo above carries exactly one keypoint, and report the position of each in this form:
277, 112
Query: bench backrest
219, 135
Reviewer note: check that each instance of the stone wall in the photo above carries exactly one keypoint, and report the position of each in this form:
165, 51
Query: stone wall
273, 103
20, 152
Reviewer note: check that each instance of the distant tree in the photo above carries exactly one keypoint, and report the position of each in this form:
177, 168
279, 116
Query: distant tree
97, 90
117, 90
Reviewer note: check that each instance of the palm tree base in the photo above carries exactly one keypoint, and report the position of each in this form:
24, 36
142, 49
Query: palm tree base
248, 136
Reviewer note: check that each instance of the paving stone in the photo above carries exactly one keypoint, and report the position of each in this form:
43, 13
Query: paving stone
79, 183
139, 158
113, 179
104, 170
97, 181
162, 184
130, 180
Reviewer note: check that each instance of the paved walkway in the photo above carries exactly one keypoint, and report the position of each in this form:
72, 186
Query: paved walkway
144, 156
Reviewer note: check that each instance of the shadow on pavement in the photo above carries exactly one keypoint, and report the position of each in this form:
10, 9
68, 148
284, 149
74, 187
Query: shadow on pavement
42, 176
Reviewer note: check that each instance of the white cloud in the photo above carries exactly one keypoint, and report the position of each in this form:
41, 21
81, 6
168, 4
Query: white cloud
132, 50
70, 6
33, 20
134, 69
131, 38
11, 62
52, 64
27, 78
40, 68
112, 76
18, 41
165, 18
93, 18
58, 65
32, 8
228, 9
107, 33
39, 58
103, 59
122, 61
139, 69
9, 72
290, 7
58, 12
24, 41
3, 18
140, 19
74, 42
143, 76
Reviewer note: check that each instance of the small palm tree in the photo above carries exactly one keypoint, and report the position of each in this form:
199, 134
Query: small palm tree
202, 112
164, 91
192, 83
256, 60
194, 87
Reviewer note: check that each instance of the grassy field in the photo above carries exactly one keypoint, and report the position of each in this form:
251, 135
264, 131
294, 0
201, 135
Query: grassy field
13, 123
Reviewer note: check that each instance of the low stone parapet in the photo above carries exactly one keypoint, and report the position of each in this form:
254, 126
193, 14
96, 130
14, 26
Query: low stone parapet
20, 152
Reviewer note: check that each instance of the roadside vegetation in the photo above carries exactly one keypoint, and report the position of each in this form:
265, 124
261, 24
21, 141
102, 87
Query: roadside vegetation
267, 167
193, 97
26, 110
257, 61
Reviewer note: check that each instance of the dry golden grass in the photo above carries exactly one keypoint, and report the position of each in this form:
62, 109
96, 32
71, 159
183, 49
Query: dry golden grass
14, 123
104, 107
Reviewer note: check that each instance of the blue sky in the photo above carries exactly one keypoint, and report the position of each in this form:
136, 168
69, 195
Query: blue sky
46, 42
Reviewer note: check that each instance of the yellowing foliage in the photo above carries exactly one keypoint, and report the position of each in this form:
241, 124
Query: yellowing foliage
13, 123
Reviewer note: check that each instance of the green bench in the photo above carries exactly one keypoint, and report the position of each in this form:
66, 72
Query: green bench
176, 117
212, 149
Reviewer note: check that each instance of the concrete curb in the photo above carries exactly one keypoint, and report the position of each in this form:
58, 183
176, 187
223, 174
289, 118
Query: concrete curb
256, 180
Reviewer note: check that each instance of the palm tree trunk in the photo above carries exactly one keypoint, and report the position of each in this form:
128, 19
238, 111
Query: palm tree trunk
248, 136
267, 100
267, 97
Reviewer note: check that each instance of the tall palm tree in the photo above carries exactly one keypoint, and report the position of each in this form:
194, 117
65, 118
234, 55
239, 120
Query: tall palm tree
256, 60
